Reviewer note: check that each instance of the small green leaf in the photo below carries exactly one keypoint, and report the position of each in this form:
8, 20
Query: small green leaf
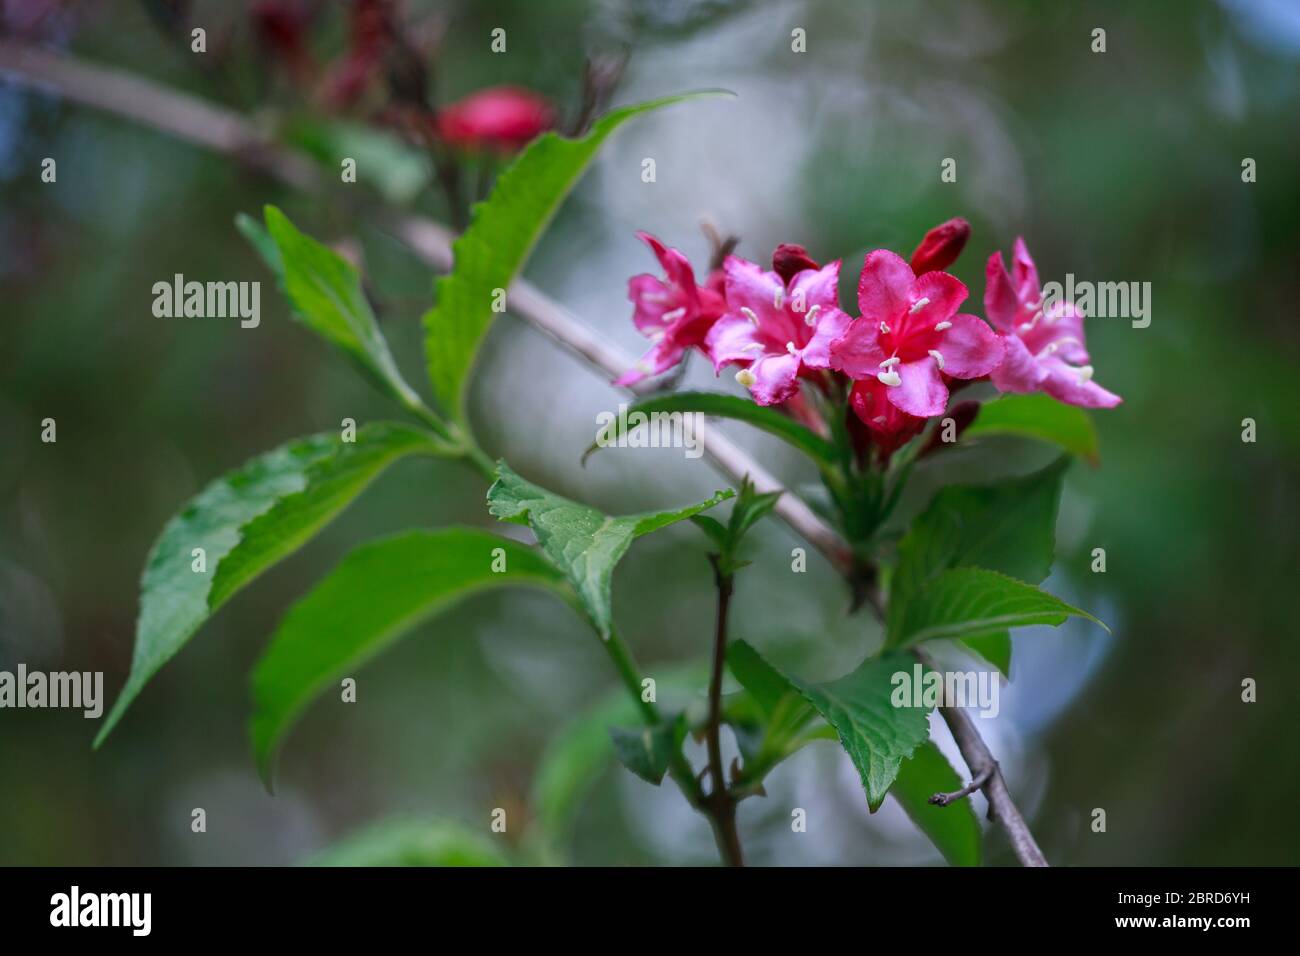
327, 297
493, 249
647, 751
994, 648
398, 171
1008, 527
1041, 417
876, 735
766, 418
952, 829
584, 543
245, 522
379, 592
405, 842
968, 603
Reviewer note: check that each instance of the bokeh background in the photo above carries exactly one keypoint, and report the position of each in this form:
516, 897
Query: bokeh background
1117, 166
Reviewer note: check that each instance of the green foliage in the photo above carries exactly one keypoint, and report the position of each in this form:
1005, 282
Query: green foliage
994, 648
876, 735
766, 418
398, 171
968, 603
494, 248
647, 751
750, 508
327, 297
379, 592
584, 543
407, 842
953, 829
1041, 417
245, 522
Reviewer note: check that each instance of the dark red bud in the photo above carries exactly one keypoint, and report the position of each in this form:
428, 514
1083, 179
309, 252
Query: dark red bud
789, 260
962, 414
941, 246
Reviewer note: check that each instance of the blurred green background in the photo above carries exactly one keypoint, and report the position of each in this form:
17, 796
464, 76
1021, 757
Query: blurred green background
1123, 165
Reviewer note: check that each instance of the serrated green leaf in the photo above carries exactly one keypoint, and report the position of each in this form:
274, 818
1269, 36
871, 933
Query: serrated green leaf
647, 751
952, 829
585, 544
968, 603
407, 842
1008, 527
994, 648
245, 522
492, 251
379, 592
767, 419
876, 735
327, 297
1041, 417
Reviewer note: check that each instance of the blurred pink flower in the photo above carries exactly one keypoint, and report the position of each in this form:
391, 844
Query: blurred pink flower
909, 338
499, 117
1044, 343
777, 329
672, 312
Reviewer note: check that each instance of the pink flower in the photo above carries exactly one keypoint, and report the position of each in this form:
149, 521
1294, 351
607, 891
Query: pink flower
908, 340
499, 117
776, 329
673, 312
1044, 345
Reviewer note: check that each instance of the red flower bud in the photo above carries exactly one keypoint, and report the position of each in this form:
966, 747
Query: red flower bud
789, 260
500, 117
941, 246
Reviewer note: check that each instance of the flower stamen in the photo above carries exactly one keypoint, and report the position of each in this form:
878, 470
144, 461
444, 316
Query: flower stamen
938, 358
919, 304
943, 327
749, 314
746, 378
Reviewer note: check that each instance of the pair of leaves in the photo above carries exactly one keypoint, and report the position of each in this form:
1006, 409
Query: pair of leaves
888, 745
765, 418
491, 252
963, 566
584, 543
244, 523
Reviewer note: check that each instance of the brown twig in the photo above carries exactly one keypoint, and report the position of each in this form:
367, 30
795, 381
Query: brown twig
225, 131
943, 799
720, 802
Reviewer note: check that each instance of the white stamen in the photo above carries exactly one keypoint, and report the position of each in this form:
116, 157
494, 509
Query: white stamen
890, 378
1085, 374
920, 304
778, 299
749, 314
674, 315
938, 358
884, 328
752, 347
1027, 326
810, 318
791, 348
879, 419
746, 378
943, 327
890, 362
654, 335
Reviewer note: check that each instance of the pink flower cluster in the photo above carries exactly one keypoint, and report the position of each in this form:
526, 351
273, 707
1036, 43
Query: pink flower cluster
902, 352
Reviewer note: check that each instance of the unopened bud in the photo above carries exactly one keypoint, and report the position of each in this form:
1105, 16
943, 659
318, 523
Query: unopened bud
789, 260
941, 246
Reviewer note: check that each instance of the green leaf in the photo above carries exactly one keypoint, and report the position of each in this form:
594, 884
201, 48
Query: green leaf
766, 418
971, 603
994, 648
646, 751
245, 522
398, 171
492, 251
1008, 527
406, 842
876, 735
1041, 417
952, 829
584, 543
327, 297
379, 591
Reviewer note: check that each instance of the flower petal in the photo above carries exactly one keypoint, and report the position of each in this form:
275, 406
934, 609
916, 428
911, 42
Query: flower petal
749, 287
970, 349
942, 294
1019, 372
1024, 273
819, 288
1074, 386
662, 356
884, 286
831, 324
675, 265
1061, 329
857, 351
921, 391
733, 338
1000, 302
775, 378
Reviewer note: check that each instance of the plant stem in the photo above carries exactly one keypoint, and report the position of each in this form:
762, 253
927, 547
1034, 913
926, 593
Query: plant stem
721, 803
